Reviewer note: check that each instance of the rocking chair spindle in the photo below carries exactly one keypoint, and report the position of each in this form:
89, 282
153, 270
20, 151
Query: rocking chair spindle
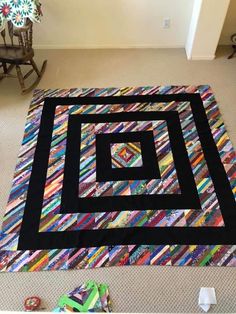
15, 55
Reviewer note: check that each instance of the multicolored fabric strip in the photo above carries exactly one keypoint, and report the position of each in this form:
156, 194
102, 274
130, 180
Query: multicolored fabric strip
123, 155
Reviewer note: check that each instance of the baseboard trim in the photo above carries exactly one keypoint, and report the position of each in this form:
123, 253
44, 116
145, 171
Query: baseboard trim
199, 58
108, 47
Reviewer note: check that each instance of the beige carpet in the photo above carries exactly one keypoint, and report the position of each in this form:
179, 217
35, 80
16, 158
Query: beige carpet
133, 289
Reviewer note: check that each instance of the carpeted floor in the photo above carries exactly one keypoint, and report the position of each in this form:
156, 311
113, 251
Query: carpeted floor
143, 289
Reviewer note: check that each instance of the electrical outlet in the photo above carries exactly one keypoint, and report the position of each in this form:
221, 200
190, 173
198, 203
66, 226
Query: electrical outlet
166, 22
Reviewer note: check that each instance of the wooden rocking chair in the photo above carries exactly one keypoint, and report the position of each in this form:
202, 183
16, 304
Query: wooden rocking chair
14, 55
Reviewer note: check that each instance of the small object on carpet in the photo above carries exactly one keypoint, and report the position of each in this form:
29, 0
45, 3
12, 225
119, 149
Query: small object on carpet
207, 297
32, 304
88, 297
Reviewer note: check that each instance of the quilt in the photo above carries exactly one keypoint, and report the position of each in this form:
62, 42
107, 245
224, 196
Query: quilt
122, 176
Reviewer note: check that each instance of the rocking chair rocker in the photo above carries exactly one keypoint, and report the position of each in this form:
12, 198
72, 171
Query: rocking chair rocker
233, 39
14, 55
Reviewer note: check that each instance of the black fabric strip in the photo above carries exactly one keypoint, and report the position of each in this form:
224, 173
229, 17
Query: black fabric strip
130, 236
104, 170
70, 201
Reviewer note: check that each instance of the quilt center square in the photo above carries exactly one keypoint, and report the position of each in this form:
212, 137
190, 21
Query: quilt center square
126, 155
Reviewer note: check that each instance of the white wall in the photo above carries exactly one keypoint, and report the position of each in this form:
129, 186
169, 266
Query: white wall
112, 23
230, 24
205, 28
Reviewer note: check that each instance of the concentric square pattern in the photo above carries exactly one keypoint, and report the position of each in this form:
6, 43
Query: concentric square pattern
166, 184
129, 176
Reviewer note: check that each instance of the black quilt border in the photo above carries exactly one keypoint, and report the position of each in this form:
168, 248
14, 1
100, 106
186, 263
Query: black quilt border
31, 239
